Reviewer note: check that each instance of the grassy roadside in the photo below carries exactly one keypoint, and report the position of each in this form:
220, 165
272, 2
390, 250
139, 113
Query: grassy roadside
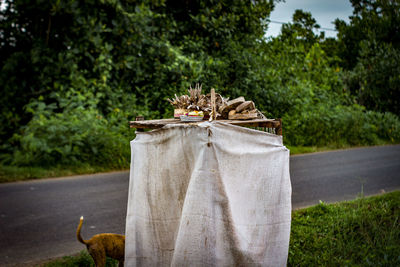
295, 150
82, 259
362, 232
14, 174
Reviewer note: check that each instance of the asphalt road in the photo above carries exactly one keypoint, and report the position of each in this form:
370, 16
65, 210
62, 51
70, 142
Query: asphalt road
38, 219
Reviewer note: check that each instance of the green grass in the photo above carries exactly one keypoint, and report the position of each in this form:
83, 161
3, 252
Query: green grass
295, 150
363, 232
83, 259
14, 174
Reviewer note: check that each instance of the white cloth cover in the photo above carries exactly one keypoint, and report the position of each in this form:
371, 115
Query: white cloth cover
211, 194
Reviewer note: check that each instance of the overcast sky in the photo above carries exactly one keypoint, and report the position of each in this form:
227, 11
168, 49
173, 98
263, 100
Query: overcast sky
324, 11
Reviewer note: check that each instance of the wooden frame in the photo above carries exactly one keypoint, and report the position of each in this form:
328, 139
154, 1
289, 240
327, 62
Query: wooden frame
269, 125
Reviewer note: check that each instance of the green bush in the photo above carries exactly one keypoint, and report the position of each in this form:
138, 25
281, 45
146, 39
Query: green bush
340, 126
72, 138
311, 97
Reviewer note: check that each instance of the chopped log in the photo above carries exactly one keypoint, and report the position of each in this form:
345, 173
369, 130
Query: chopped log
249, 116
232, 112
235, 102
231, 105
245, 105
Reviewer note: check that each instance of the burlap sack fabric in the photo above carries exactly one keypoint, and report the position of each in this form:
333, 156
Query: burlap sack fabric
211, 194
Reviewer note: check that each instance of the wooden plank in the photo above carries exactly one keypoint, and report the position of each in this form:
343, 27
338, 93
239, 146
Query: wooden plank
241, 116
152, 124
156, 124
266, 123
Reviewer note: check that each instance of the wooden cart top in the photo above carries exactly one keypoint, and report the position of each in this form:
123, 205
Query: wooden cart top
261, 123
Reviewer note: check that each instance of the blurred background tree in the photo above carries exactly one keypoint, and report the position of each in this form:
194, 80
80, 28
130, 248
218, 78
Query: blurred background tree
302, 29
369, 48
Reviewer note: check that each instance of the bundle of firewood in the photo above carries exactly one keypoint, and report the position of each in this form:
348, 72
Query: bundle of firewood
236, 109
240, 109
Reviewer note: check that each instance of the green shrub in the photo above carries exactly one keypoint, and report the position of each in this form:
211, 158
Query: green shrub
317, 110
340, 126
74, 137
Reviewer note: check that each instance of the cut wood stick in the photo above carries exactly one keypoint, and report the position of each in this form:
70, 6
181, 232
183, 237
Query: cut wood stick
213, 114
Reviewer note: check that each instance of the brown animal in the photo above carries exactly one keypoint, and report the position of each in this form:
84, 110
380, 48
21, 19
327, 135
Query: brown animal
102, 245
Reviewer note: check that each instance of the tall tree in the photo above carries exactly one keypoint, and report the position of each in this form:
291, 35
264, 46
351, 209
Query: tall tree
302, 29
372, 20
369, 47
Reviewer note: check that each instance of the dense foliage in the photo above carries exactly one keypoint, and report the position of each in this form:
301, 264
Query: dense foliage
369, 47
73, 73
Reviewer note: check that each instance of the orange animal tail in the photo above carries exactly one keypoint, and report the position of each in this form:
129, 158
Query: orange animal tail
78, 232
